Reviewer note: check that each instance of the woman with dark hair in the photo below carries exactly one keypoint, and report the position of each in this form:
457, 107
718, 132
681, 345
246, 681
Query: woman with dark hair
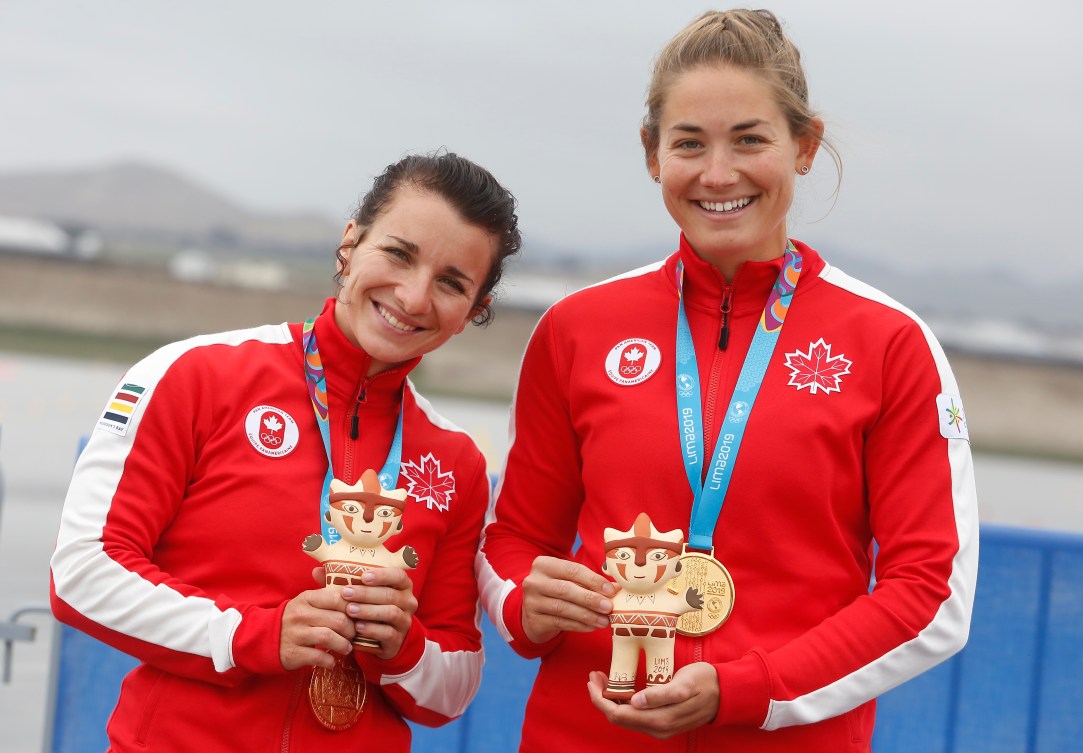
184, 534
780, 413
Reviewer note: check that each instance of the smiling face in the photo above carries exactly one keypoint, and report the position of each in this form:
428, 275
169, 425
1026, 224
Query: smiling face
727, 162
413, 280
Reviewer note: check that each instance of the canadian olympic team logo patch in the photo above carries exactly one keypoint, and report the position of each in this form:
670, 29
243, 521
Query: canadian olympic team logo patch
272, 431
632, 361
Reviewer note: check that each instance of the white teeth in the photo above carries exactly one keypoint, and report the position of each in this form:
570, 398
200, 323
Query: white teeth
390, 319
725, 206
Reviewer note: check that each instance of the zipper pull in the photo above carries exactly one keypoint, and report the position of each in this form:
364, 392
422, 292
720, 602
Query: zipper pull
727, 306
354, 419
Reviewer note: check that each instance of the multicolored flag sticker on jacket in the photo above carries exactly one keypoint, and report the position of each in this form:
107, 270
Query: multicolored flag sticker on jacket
952, 417
118, 413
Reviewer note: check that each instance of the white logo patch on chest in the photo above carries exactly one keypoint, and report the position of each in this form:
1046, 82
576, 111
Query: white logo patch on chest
271, 431
632, 361
817, 370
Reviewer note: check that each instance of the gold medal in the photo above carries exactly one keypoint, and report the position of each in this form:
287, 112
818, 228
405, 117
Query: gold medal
337, 695
706, 574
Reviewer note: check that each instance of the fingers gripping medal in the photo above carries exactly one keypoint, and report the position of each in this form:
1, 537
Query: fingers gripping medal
365, 515
642, 561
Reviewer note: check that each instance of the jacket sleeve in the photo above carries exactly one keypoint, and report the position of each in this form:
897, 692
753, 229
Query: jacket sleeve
923, 514
540, 493
127, 485
437, 671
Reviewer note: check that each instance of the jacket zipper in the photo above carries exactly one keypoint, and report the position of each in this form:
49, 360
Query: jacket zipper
355, 432
291, 711
725, 308
355, 419
697, 656
714, 379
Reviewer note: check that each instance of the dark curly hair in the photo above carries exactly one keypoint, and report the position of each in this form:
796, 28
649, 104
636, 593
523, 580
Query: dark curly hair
471, 189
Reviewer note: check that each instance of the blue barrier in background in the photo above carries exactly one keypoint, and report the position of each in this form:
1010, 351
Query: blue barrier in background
1016, 687
494, 719
84, 687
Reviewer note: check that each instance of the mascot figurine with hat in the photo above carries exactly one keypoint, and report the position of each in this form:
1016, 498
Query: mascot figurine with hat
643, 561
365, 515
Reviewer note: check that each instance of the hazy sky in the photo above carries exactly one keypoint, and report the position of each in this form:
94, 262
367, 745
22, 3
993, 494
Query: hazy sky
958, 121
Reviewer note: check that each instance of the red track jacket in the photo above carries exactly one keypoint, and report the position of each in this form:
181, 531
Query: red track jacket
180, 542
857, 434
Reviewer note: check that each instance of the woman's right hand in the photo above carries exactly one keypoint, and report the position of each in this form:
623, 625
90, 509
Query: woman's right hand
562, 595
313, 623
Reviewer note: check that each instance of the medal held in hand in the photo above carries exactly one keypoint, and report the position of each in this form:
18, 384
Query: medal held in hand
337, 695
708, 576
642, 561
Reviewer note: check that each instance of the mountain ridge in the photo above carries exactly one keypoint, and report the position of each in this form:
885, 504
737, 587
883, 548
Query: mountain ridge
133, 201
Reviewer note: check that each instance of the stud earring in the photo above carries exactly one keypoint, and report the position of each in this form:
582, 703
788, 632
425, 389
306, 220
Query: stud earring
804, 169
657, 178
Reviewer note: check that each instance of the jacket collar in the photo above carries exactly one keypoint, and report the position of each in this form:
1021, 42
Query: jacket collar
704, 285
346, 365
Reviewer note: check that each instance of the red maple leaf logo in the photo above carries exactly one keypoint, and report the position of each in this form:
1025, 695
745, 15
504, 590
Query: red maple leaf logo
427, 483
817, 369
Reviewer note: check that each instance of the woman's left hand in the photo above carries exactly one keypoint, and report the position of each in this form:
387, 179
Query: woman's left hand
687, 701
383, 608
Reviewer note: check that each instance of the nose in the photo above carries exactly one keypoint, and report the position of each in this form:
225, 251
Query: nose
719, 169
414, 293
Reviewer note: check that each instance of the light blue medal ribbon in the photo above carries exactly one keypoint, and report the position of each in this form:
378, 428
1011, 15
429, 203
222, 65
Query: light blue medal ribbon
710, 493
316, 380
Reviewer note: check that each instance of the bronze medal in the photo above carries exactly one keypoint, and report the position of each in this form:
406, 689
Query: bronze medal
337, 695
706, 574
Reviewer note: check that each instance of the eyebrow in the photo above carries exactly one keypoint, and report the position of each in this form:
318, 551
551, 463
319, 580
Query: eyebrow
410, 245
413, 249
742, 126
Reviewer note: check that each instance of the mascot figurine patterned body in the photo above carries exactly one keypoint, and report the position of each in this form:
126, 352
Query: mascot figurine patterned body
365, 515
642, 561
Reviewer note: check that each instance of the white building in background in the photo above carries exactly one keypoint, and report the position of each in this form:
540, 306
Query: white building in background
196, 265
27, 235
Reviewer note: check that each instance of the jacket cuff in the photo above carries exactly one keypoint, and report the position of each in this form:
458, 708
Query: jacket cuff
410, 653
512, 614
256, 644
744, 690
